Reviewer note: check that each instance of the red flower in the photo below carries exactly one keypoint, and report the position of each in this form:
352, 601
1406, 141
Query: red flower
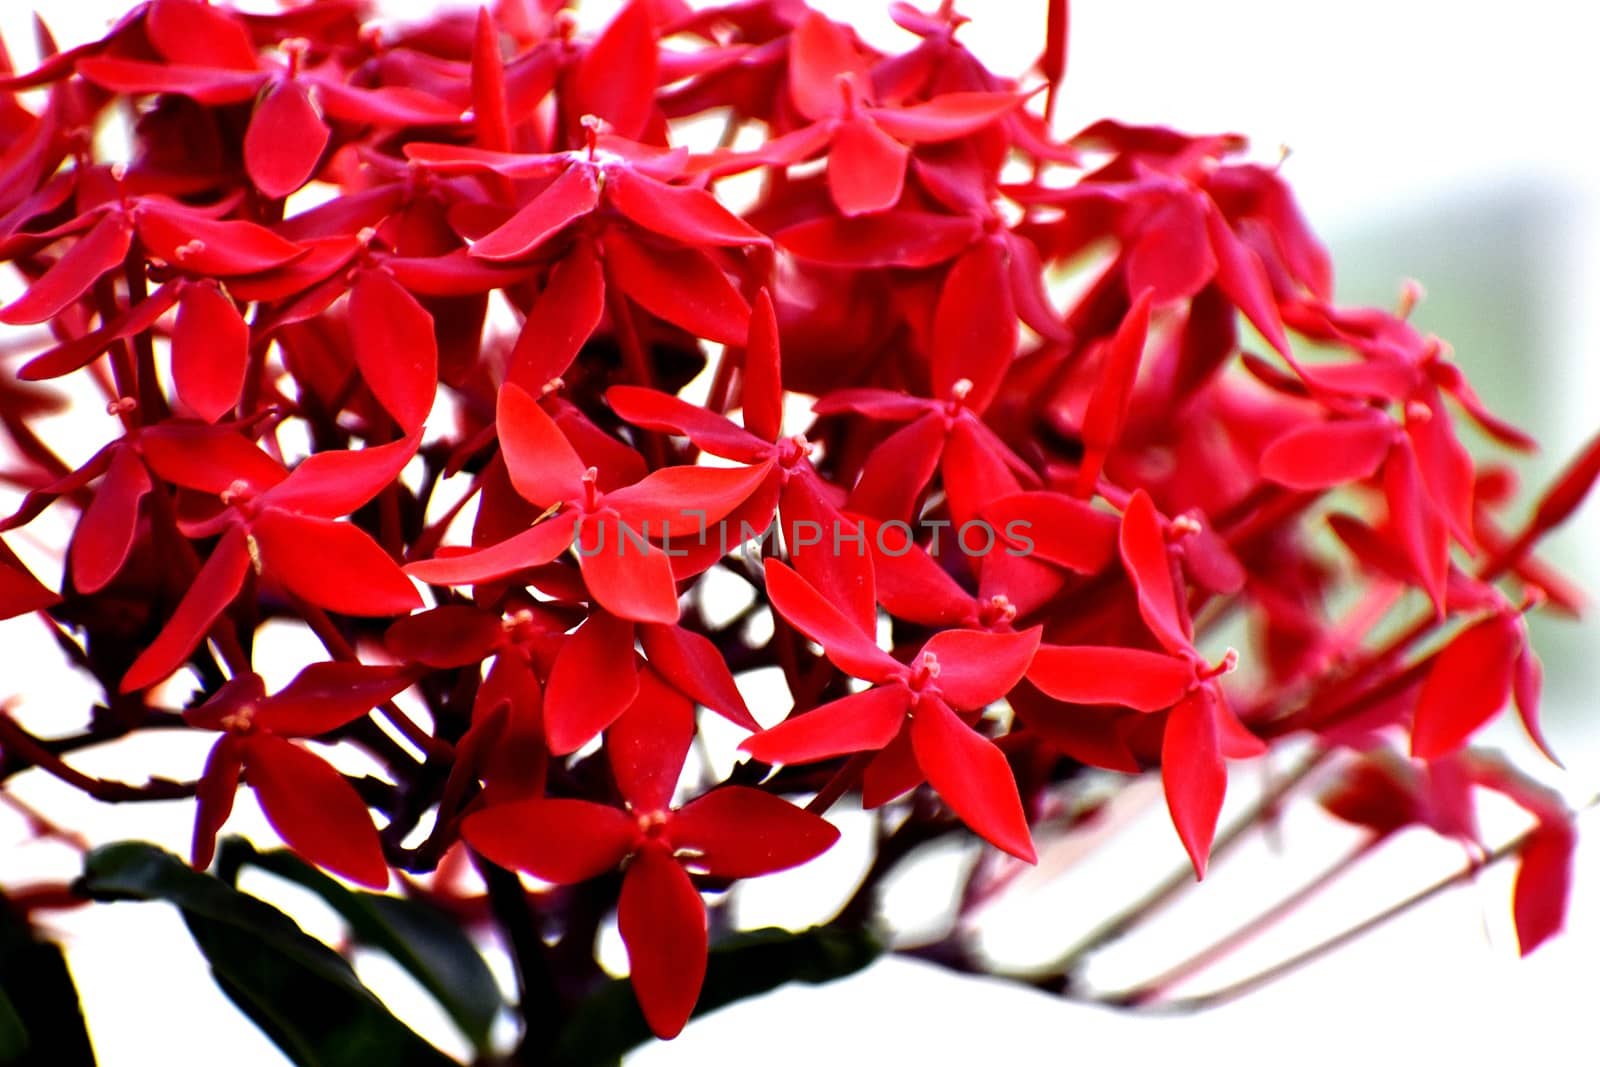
731, 832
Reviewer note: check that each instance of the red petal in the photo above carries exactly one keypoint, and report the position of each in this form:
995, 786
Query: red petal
838, 561
395, 347
851, 650
1563, 498
663, 924
820, 51
285, 140
210, 350
559, 841
314, 810
204, 85
647, 744
20, 591
333, 565
762, 389
1104, 674
616, 78
454, 635
1171, 256
682, 213
1056, 528
1144, 554
207, 458
572, 195
977, 667
683, 286
105, 533
189, 31
912, 586
1468, 683
79, 352
1328, 454
533, 547
945, 118
866, 168
88, 257
336, 483
891, 239
899, 469
1544, 883
214, 795
683, 501
1241, 276
326, 696
389, 105
212, 590
1421, 529
627, 575
971, 774
1103, 419
542, 463
564, 316
740, 832
652, 409
212, 247
692, 665
1527, 684
860, 722
1193, 775
594, 679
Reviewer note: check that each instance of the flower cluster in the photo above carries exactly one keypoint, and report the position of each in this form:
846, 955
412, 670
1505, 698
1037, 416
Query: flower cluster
494, 353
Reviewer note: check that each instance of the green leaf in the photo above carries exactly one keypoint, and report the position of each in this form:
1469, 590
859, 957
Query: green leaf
608, 1023
13, 1035
430, 946
304, 995
41, 1023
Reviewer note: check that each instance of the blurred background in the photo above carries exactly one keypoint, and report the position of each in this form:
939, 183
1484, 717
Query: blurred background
1441, 142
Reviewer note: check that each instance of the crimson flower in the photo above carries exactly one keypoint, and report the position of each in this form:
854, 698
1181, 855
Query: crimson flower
730, 832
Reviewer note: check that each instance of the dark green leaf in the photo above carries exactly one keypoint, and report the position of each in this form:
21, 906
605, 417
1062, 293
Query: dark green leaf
301, 993
429, 945
747, 964
41, 1024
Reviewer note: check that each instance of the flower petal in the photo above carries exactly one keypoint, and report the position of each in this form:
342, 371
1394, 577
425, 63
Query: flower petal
210, 350
691, 664
647, 744
626, 574
683, 286
326, 696
1468, 683
866, 168
1192, 773
977, 667
740, 832
971, 774
212, 590
663, 924
333, 565
574, 194
559, 841
860, 722
1105, 674
594, 679
533, 547
285, 140
850, 649
338, 482
314, 810
395, 347
1149, 566
105, 533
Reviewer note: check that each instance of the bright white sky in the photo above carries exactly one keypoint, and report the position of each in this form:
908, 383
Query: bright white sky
1391, 110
